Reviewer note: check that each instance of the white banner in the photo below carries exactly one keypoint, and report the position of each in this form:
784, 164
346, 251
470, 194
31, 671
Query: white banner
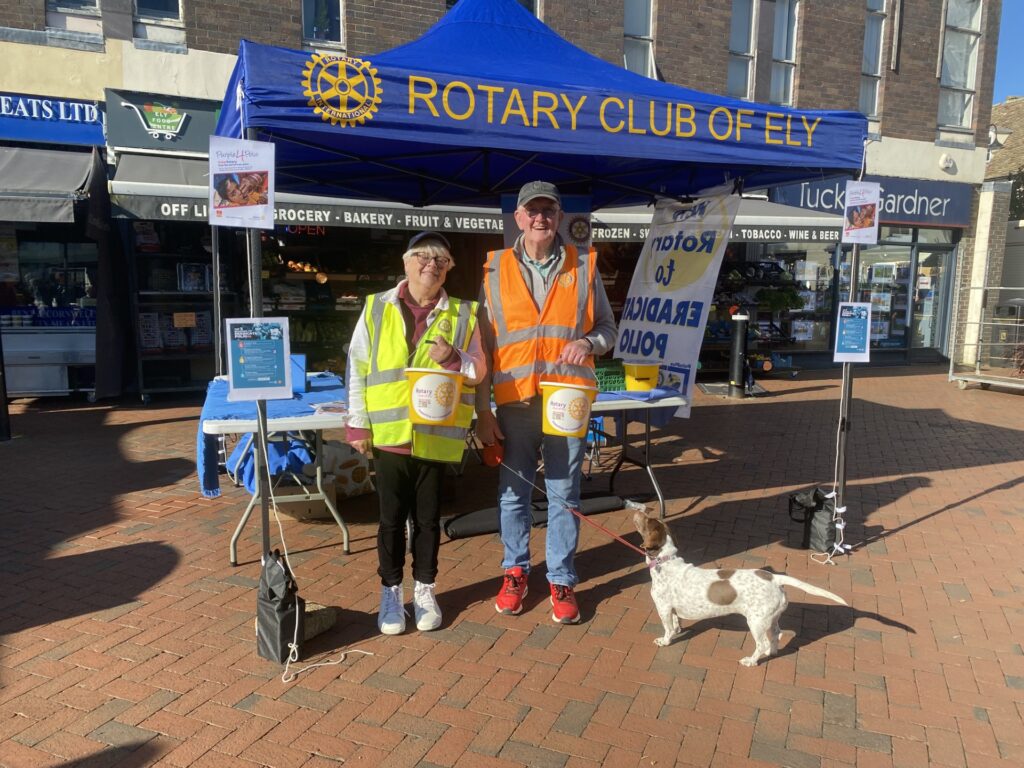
673, 286
241, 183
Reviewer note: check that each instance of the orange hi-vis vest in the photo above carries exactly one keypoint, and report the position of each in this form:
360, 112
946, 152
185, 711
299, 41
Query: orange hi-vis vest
528, 341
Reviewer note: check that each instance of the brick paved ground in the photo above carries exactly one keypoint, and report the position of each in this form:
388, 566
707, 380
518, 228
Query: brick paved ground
127, 639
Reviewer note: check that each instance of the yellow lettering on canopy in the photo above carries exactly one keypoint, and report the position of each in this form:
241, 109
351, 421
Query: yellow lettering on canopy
768, 128
548, 110
514, 106
632, 128
490, 90
740, 113
604, 122
711, 123
789, 129
469, 95
810, 129
431, 84
573, 112
688, 120
668, 120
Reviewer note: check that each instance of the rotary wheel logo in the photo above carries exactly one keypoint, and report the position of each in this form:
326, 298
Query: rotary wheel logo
444, 325
344, 90
445, 394
578, 408
579, 229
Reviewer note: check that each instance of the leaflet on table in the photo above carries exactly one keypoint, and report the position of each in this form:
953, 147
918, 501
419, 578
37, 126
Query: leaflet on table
259, 365
853, 333
334, 406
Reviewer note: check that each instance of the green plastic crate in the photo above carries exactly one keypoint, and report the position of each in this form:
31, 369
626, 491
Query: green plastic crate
610, 376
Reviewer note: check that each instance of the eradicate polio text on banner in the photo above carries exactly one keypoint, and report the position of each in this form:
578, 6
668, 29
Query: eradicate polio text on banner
673, 286
241, 183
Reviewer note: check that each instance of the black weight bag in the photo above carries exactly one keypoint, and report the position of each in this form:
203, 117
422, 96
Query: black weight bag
280, 612
816, 511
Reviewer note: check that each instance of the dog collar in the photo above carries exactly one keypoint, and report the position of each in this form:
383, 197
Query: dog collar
653, 563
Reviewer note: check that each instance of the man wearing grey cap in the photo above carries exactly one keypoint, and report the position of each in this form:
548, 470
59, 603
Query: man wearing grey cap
544, 317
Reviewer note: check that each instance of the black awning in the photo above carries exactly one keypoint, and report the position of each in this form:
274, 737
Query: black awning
42, 184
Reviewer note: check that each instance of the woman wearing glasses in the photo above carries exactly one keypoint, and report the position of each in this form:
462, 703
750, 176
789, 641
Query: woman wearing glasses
414, 325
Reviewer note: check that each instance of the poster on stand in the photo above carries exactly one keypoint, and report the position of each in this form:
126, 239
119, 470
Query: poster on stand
860, 215
853, 333
259, 358
241, 183
673, 286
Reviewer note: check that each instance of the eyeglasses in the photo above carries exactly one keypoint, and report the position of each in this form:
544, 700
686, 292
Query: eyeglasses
442, 262
547, 213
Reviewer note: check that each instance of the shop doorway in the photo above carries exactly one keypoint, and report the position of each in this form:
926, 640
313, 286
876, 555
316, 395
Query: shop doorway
930, 291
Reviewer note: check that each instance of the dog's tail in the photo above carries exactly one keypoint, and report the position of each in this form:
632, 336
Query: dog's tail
810, 589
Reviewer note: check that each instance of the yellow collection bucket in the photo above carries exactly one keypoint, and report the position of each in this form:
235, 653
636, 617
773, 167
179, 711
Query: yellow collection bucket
640, 377
566, 408
433, 395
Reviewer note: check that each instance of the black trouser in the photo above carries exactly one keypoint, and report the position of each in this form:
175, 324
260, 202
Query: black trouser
408, 487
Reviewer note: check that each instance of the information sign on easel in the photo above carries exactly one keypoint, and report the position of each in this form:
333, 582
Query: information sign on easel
259, 358
853, 333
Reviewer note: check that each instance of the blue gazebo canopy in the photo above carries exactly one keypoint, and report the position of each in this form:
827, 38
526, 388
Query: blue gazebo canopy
489, 98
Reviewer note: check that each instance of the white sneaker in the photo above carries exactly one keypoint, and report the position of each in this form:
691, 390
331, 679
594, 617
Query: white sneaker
391, 616
425, 607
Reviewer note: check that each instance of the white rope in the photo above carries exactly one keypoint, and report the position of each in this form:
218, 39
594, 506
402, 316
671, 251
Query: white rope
293, 653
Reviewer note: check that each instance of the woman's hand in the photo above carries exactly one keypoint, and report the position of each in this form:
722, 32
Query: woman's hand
364, 447
440, 350
487, 430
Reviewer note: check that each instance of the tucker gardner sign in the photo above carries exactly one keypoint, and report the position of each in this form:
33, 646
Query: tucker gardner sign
902, 201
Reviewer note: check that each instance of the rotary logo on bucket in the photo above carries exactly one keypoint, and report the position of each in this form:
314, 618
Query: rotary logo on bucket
433, 395
566, 408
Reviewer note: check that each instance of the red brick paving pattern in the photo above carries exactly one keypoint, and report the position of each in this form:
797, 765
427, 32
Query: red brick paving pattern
127, 638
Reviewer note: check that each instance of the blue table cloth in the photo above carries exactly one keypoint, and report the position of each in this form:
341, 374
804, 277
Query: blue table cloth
659, 416
323, 388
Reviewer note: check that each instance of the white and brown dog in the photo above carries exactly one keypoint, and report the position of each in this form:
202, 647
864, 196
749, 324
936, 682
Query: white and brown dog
684, 591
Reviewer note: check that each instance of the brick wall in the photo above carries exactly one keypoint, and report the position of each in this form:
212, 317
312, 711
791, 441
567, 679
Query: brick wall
596, 26
23, 14
373, 26
692, 43
829, 49
218, 25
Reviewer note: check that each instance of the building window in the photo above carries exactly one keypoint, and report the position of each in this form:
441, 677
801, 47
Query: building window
783, 51
321, 21
530, 5
638, 45
960, 40
739, 81
72, 5
157, 9
871, 63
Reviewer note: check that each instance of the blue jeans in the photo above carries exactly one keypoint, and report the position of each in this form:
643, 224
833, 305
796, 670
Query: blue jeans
524, 443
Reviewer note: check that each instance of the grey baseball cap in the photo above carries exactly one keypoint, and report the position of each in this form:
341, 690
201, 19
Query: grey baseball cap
428, 235
534, 189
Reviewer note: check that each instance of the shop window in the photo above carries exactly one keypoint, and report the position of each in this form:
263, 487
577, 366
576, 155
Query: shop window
884, 281
739, 82
961, 39
638, 45
157, 9
784, 51
321, 21
871, 62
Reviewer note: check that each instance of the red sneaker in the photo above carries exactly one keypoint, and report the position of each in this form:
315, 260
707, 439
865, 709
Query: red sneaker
513, 590
563, 605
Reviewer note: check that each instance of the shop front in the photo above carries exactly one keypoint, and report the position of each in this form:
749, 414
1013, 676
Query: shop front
908, 276
51, 223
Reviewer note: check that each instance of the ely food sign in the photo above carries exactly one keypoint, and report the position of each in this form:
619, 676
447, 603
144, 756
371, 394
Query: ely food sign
44, 119
158, 120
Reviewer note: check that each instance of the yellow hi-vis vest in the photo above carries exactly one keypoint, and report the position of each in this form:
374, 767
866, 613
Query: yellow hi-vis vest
387, 388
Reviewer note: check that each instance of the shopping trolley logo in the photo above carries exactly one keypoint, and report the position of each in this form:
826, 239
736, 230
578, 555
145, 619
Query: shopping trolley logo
159, 120
341, 89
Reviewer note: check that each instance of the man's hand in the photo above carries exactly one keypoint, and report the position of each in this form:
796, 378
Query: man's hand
576, 352
440, 350
364, 447
487, 429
